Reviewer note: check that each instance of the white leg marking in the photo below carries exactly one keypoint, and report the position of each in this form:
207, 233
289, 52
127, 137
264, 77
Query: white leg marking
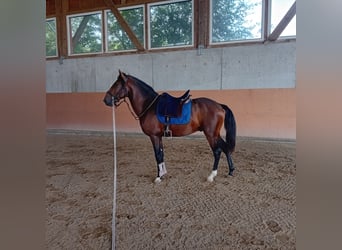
212, 175
157, 180
162, 169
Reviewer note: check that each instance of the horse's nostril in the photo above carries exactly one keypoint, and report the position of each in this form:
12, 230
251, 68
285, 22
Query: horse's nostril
108, 102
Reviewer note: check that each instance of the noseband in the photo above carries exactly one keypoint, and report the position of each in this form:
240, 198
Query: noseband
116, 98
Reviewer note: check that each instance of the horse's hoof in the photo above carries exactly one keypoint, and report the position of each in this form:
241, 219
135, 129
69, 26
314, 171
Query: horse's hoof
157, 180
210, 179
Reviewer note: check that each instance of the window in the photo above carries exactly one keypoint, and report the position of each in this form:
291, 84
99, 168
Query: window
51, 37
278, 10
235, 20
117, 39
85, 33
171, 24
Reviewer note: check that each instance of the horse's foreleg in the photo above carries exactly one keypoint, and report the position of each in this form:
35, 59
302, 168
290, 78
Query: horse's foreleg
159, 155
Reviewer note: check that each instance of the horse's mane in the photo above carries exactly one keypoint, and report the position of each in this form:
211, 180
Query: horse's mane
147, 89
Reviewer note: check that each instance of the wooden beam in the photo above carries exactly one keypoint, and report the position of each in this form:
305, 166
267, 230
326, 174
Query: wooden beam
203, 23
61, 7
283, 23
124, 24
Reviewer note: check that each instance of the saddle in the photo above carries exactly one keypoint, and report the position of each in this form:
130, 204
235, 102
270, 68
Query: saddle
171, 106
170, 110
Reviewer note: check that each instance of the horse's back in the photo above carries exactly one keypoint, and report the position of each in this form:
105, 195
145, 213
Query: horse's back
206, 115
207, 112
204, 103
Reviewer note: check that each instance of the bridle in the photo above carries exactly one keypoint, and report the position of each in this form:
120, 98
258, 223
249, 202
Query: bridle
116, 98
122, 98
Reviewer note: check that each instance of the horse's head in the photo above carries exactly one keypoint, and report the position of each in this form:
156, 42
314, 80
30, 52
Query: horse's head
117, 91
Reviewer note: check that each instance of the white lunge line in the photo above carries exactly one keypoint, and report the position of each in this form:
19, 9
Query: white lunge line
114, 191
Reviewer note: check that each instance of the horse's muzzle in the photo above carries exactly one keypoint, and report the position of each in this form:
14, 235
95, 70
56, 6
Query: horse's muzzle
108, 100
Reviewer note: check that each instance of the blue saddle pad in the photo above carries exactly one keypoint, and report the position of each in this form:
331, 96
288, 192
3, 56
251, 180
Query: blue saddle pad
183, 119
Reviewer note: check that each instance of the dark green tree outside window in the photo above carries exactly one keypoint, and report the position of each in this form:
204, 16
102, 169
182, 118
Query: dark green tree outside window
51, 38
171, 24
117, 38
236, 20
86, 32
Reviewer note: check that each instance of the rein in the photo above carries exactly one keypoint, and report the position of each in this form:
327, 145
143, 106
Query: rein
137, 117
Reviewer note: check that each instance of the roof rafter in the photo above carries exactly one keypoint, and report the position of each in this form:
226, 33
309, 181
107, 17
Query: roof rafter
124, 24
80, 31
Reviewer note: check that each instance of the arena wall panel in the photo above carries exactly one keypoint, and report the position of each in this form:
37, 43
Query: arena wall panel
265, 113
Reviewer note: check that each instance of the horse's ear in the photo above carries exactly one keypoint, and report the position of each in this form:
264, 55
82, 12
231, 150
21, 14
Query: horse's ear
123, 76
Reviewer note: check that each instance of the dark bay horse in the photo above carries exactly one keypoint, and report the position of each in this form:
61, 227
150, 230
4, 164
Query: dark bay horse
206, 115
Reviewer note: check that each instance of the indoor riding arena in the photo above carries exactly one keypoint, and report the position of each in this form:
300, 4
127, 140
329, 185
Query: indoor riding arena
107, 153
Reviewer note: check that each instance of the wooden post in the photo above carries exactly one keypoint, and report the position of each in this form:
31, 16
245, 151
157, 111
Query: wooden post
61, 7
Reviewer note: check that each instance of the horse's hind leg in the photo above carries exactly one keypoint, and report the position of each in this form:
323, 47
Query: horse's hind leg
223, 146
217, 154
230, 164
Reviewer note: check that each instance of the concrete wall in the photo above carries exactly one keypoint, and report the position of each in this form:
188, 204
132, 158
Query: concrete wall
242, 67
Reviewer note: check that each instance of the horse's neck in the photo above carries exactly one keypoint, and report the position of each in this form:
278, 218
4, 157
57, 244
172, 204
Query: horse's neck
139, 98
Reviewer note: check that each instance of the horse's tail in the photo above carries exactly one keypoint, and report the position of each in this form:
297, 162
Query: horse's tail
230, 126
